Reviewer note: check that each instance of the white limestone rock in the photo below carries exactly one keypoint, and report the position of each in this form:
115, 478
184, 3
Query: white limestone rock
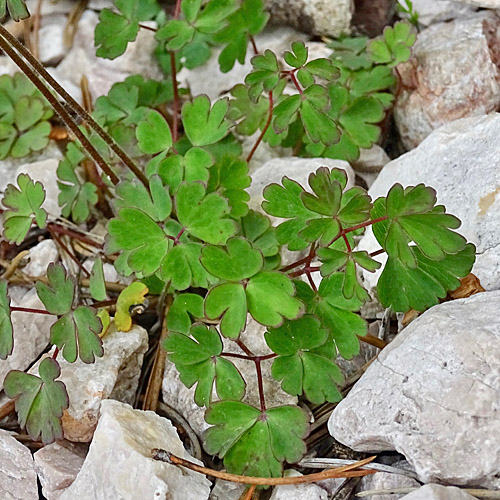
318, 17
433, 395
17, 471
297, 169
453, 73
434, 11
40, 256
57, 466
103, 73
438, 492
51, 39
119, 464
226, 490
31, 331
308, 491
179, 397
487, 4
460, 161
114, 376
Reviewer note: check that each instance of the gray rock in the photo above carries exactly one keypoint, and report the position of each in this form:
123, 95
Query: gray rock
309, 491
487, 4
57, 465
119, 464
31, 331
434, 11
225, 490
453, 73
114, 376
7, 66
434, 395
179, 397
460, 162
438, 492
371, 160
103, 73
318, 17
295, 168
17, 471
51, 41
51, 7
40, 256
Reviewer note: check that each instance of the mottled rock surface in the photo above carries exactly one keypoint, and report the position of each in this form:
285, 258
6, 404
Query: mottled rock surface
114, 376
453, 73
318, 17
461, 162
434, 395
17, 470
433, 11
57, 466
309, 491
438, 492
119, 464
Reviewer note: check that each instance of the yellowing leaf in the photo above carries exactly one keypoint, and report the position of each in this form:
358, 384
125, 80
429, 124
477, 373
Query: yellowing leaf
133, 295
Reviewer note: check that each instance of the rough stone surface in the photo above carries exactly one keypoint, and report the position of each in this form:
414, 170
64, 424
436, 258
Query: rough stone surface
372, 16
433, 11
179, 397
31, 331
103, 73
309, 491
453, 73
114, 376
225, 490
51, 41
487, 4
40, 256
209, 80
460, 161
318, 17
57, 465
438, 492
17, 471
118, 465
371, 160
295, 168
434, 395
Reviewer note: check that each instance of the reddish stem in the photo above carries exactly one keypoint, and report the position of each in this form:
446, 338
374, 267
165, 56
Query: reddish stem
149, 28
29, 310
266, 127
347, 244
261, 386
178, 237
55, 228
175, 124
377, 252
254, 45
70, 254
248, 358
177, 10
56, 352
296, 82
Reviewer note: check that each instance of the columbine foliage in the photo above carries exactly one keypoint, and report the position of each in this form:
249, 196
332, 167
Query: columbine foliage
184, 229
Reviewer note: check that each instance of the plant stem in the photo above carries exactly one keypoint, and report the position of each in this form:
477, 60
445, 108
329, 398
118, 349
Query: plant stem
56, 352
177, 10
149, 28
352, 470
377, 252
40, 71
261, 385
248, 358
55, 228
175, 124
254, 45
296, 82
70, 254
266, 127
30, 310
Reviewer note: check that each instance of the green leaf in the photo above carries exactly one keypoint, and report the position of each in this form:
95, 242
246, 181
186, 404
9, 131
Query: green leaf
228, 302
298, 56
414, 216
335, 312
17, 9
57, 296
257, 229
255, 443
285, 201
97, 283
265, 75
34, 139
394, 47
403, 288
24, 205
178, 34
157, 203
77, 335
116, 30
271, 298
204, 124
193, 166
204, 215
133, 295
153, 134
214, 15
144, 242
184, 307
76, 198
40, 400
199, 362
6, 330
229, 177
182, 268
351, 53
299, 368
249, 115
238, 262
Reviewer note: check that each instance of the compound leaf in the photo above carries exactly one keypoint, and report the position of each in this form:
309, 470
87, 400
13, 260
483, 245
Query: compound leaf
153, 133
24, 205
97, 284
40, 400
57, 296
198, 361
184, 307
16, 8
204, 124
255, 443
